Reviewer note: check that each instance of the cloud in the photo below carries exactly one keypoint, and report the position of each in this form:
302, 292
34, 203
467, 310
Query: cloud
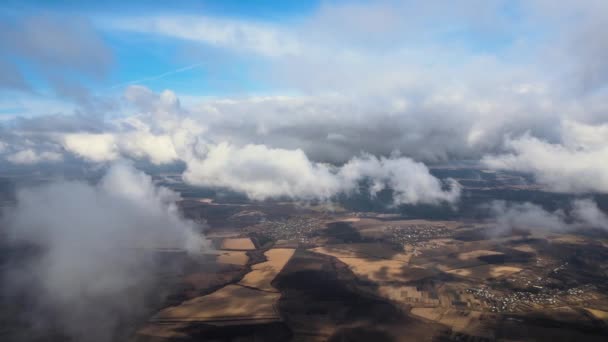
435, 82
104, 147
527, 216
576, 41
582, 214
95, 266
587, 211
576, 164
30, 156
11, 78
53, 42
259, 38
410, 181
262, 172
94, 147
163, 133
320, 130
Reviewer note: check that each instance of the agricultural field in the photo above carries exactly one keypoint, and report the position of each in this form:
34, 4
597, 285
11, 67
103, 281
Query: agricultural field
314, 275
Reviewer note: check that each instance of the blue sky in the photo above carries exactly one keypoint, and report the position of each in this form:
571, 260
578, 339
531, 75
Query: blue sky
165, 60
144, 57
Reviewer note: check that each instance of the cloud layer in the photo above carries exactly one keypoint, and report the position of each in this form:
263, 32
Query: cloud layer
515, 86
95, 264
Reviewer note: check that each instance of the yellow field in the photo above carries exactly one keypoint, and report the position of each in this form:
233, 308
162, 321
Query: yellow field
347, 219
263, 273
432, 314
599, 314
485, 271
230, 303
525, 249
252, 301
242, 244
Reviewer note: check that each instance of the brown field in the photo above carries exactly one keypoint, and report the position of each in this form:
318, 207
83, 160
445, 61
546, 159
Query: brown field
432, 314
569, 239
476, 254
263, 273
241, 244
366, 223
461, 321
369, 261
406, 295
230, 303
365, 250
161, 332
233, 257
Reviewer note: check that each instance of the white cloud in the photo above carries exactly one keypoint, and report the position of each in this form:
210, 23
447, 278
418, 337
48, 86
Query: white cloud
583, 214
94, 270
587, 211
259, 38
138, 145
577, 164
527, 216
30, 156
93, 147
437, 83
410, 181
263, 172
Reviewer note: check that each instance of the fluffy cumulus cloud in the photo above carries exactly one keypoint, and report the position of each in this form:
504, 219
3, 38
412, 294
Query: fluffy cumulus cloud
410, 181
94, 264
213, 143
263, 172
102, 147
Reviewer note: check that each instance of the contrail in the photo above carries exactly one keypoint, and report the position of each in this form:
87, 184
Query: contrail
156, 77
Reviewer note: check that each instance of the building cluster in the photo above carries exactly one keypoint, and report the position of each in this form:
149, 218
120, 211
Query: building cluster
416, 235
297, 228
524, 300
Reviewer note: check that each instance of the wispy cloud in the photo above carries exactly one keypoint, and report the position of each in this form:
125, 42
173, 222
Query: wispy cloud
263, 39
159, 76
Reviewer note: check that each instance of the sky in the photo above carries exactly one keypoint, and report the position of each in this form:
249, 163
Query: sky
304, 99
